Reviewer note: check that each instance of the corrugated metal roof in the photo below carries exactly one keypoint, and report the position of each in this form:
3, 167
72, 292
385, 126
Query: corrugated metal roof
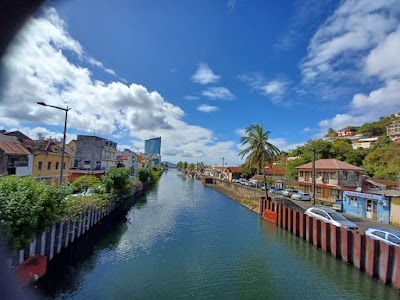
13, 148
331, 164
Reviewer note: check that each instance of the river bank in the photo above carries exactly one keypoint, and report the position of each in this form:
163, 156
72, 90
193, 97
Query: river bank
250, 204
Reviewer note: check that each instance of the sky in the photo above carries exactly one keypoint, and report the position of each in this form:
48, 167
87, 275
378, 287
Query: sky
198, 73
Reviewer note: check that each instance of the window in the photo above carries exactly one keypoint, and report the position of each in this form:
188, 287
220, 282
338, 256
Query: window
49, 165
333, 192
63, 166
87, 162
344, 177
393, 239
319, 190
57, 165
333, 175
379, 234
40, 165
353, 201
301, 173
325, 178
307, 176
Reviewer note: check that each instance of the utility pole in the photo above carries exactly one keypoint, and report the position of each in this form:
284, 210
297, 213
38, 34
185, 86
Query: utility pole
313, 177
222, 169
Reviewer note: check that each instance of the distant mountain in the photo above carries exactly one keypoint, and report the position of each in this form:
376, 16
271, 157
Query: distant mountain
169, 164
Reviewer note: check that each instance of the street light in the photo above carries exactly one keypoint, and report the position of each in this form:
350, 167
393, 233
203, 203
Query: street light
65, 133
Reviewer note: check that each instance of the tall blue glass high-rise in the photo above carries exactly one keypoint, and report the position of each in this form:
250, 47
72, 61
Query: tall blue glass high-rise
152, 146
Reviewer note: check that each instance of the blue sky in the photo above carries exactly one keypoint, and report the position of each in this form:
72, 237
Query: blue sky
197, 73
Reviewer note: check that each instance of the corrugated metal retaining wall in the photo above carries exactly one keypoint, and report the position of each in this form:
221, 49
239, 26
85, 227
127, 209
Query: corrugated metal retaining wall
374, 257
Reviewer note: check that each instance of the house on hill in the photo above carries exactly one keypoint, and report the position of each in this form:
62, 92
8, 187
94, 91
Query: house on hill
333, 177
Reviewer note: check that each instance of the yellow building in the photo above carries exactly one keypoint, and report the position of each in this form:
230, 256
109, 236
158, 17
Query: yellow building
395, 210
47, 161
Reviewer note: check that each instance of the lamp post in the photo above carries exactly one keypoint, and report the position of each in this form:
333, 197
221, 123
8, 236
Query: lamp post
65, 133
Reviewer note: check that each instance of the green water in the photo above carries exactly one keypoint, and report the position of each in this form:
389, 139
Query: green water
184, 241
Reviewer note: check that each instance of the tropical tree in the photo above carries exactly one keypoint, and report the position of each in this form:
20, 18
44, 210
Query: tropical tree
259, 151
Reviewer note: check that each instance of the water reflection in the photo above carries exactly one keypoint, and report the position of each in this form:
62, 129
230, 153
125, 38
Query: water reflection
183, 240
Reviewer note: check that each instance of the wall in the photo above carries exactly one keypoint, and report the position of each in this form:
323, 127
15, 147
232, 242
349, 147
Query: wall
375, 258
25, 171
245, 191
52, 175
395, 211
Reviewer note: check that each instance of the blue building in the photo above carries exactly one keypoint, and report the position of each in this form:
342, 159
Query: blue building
366, 205
152, 146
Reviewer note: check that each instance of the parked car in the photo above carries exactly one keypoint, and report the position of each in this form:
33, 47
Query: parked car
243, 181
330, 216
301, 196
252, 184
388, 236
276, 191
235, 180
288, 192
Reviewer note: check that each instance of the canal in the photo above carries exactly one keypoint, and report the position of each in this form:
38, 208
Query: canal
183, 240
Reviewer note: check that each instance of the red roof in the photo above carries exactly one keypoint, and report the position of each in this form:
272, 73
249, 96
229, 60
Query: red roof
12, 148
330, 164
274, 171
124, 157
235, 169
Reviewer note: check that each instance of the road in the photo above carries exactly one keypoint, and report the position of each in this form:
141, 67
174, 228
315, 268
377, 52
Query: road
362, 223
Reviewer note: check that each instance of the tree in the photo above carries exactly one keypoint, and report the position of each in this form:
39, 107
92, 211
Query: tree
340, 148
116, 181
83, 183
259, 151
331, 133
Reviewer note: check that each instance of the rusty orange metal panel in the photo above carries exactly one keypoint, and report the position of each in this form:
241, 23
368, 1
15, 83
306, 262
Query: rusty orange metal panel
370, 253
309, 229
302, 225
396, 268
316, 232
358, 250
335, 242
344, 244
385, 262
295, 222
290, 220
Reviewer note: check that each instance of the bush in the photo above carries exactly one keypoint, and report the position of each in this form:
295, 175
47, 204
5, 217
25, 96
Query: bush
117, 182
28, 207
83, 183
75, 206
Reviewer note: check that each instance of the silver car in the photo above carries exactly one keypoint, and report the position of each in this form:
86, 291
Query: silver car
289, 192
388, 236
330, 216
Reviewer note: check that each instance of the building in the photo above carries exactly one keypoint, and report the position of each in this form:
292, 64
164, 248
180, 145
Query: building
347, 131
128, 159
393, 130
152, 146
333, 177
364, 143
95, 153
47, 156
15, 159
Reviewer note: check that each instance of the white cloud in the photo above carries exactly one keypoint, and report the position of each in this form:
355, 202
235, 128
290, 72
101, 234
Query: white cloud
274, 88
204, 75
35, 132
383, 61
354, 27
207, 108
215, 93
36, 69
231, 4
191, 98
283, 144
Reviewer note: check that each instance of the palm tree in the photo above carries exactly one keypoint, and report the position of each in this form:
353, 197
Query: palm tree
259, 150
